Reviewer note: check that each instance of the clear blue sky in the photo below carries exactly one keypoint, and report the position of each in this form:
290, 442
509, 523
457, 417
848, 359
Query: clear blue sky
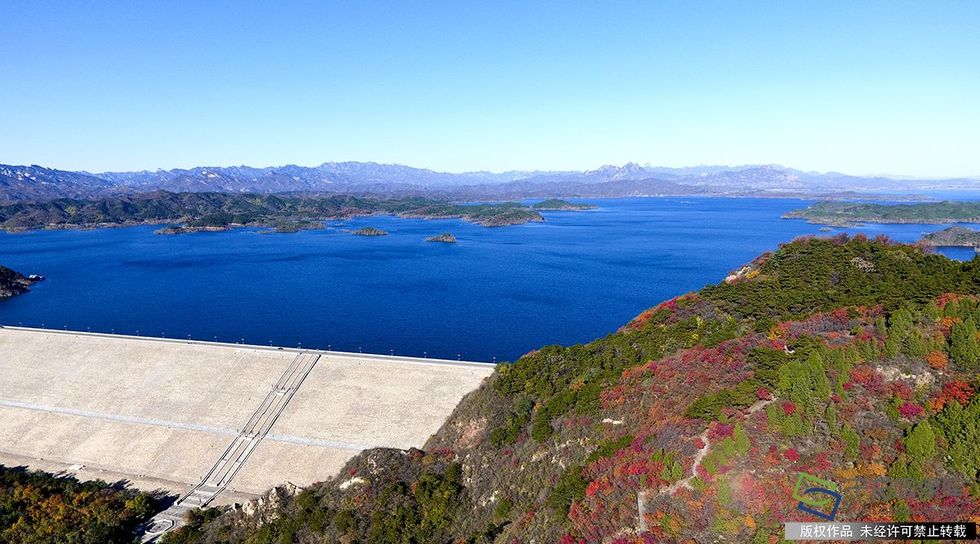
860, 87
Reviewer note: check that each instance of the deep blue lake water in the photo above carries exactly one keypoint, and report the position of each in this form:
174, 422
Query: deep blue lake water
498, 293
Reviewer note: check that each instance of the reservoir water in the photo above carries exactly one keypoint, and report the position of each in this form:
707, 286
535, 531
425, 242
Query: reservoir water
496, 294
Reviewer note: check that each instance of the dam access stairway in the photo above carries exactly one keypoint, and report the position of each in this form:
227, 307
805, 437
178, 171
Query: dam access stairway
231, 461
210, 423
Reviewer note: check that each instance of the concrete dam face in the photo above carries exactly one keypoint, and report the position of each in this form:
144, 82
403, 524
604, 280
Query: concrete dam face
211, 422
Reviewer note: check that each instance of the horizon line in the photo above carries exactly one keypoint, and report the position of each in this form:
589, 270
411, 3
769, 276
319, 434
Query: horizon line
646, 165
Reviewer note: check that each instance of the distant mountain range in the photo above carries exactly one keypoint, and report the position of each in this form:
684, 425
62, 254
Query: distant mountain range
37, 183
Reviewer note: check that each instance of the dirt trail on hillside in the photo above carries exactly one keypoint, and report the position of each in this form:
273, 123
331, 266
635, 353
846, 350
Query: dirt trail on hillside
699, 456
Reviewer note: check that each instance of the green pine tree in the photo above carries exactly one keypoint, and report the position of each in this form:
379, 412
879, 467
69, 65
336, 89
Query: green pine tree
915, 345
817, 376
963, 346
921, 442
742, 443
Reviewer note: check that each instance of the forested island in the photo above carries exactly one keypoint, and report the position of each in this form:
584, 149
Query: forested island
953, 237
557, 204
13, 283
194, 212
845, 214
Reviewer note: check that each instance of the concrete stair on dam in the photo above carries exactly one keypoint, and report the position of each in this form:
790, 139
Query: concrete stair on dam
231, 461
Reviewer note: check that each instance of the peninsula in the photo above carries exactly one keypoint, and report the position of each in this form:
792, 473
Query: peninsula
13, 283
953, 237
846, 214
194, 212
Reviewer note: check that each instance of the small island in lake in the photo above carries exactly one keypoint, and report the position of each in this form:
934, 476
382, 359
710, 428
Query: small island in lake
369, 231
181, 229
13, 283
953, 237
557, 204
445, 238
848, 214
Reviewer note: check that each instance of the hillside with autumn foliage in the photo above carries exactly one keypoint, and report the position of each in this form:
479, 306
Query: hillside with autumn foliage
852, 360
41, 508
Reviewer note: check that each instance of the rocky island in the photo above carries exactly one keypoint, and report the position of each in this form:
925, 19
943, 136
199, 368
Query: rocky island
557, 204
445, 238
953, 237
369, 231
181, 229
13, 283
847, 214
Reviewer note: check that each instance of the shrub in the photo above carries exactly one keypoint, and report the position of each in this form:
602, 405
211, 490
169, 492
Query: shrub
516, 421
608, 448
909, 410
571, 486
937, 359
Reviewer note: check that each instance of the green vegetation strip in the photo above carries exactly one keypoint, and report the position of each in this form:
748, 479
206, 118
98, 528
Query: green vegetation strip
850, 213
190, 212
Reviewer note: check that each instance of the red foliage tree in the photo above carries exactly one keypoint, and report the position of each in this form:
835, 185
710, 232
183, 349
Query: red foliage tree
717, 430
772, 456
903, 390
938, 360
945, 298
910, 410
957, 390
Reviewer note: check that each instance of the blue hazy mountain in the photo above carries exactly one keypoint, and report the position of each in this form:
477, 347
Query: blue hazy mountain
39, 183
19, 183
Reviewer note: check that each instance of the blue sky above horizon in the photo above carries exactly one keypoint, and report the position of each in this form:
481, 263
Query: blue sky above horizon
859, 87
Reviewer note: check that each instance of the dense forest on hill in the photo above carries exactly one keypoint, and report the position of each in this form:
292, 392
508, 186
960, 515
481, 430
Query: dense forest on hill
850, 213
209, 211
853, 360
40, 508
